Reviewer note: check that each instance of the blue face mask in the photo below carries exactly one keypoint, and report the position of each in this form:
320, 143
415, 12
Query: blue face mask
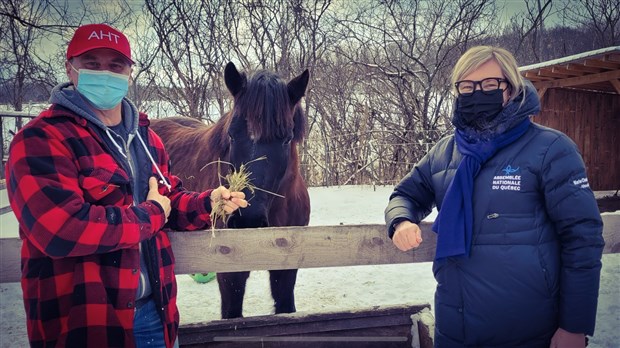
103, 89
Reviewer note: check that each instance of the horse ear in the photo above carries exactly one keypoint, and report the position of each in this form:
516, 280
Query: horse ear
235, 82
297, 87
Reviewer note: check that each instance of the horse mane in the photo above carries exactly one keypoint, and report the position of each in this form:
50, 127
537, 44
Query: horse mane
191, 145
266, 106
299, 131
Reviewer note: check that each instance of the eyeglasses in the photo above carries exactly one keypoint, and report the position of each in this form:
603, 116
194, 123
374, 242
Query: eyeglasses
488, 85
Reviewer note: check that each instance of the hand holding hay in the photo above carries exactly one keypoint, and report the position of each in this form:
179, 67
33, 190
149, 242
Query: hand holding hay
221, 206
225, 201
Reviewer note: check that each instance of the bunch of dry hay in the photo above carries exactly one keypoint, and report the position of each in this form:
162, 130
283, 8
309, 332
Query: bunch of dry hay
237, 181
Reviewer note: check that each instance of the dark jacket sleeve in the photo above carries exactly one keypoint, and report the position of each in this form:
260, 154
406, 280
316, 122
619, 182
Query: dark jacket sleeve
572, 207
414, 196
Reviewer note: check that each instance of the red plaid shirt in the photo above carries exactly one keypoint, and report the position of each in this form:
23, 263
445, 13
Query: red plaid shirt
80, 232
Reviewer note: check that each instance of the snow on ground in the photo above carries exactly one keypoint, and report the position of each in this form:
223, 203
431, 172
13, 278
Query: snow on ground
324, 289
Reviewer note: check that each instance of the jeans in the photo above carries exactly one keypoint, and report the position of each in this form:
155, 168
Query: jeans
148, 331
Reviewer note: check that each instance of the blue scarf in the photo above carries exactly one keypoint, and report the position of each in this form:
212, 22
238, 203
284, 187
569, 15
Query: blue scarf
454, 224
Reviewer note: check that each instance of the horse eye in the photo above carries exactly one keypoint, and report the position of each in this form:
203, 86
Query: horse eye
287, 140
230, 137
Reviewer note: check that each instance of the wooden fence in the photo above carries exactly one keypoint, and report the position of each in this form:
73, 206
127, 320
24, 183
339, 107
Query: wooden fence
408, 325
233, 250
268, 248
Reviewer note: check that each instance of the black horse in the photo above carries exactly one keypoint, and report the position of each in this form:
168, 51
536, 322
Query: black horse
265, 121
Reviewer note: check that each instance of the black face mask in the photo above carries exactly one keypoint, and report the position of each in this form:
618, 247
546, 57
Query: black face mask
478, 109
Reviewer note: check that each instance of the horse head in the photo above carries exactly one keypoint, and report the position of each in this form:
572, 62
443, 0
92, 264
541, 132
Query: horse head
265, 125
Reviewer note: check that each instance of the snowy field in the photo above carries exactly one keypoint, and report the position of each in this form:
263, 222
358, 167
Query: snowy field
324, 289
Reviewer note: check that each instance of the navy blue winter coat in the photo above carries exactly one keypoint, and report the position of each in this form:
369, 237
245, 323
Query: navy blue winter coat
537, 243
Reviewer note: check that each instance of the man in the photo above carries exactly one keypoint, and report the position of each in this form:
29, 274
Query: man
88, 182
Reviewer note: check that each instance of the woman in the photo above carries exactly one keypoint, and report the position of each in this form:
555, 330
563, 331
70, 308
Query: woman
519, 234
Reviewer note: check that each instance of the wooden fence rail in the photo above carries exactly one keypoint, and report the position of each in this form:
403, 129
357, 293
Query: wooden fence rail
287, 247
268, 248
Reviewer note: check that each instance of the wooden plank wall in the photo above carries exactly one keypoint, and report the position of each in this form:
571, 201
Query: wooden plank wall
592, 120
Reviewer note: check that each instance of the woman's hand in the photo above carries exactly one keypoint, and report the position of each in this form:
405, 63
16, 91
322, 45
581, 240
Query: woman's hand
407, 236
565, 339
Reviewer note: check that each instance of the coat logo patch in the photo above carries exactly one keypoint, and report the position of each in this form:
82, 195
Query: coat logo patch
510, 180
582, 183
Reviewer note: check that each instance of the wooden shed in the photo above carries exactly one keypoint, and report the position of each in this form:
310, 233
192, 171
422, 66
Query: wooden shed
580, 96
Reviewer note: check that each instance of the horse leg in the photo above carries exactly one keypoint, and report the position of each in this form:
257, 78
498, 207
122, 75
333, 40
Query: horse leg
282, 289
232, 289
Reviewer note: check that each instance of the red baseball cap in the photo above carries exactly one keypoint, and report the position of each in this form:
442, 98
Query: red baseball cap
91, 36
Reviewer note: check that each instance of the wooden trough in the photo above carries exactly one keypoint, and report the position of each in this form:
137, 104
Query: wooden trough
397, 326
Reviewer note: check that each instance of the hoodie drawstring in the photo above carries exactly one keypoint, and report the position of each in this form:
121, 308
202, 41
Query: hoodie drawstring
118, 147
148, 153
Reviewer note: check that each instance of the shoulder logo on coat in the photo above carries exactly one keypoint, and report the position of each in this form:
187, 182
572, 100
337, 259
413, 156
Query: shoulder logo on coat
582, 183
510, 180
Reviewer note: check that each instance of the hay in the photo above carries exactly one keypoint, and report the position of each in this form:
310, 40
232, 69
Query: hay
236, 181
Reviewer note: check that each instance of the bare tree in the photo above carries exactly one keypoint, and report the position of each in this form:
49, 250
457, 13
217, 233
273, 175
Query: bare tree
402, 53
193, 48
24, 29
525, 35
145, 51
33, 41
313, 28
602, 17
33, 37
379, 95
533, 26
